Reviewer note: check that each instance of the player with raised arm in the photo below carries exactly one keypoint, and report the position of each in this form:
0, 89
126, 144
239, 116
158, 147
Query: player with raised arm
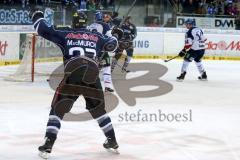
102, 27
80, 48
126, 43
194, 49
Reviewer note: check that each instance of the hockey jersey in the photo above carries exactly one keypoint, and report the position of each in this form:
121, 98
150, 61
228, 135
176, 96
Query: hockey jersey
76, 42
195, 39
130, 31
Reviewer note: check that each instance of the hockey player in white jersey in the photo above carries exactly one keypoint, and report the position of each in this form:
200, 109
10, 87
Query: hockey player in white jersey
194, 49
104, 28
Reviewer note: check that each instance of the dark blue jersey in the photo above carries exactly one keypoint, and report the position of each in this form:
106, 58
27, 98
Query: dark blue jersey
130, 31
76, 42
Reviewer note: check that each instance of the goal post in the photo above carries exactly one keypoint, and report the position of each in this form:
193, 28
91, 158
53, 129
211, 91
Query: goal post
33, 55
38, 58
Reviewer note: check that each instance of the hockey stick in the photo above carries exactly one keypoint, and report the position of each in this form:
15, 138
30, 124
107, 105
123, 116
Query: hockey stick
167, 60
119, 5
129, 10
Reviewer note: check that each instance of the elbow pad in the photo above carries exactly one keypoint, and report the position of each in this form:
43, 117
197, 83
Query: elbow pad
111, 45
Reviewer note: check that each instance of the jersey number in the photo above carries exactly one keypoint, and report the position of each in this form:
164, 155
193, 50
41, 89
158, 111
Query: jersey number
82, 51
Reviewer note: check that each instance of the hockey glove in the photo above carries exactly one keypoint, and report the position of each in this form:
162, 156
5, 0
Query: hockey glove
123, 45
35, 14
117, 32
182, 53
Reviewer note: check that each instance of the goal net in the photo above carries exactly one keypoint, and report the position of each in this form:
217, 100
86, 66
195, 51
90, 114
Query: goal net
38, 58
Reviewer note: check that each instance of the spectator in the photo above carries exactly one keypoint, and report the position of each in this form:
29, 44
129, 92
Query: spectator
196, 6
91, 5
8, 1
211, 10
229, 1
201, 7
209, 1
187, 6
231, 10
154, 23
98, 4
25, 3
108, 4
211, 7
83, 5
220, 7
39, 2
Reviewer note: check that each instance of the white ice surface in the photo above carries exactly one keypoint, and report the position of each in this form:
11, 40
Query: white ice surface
214, 133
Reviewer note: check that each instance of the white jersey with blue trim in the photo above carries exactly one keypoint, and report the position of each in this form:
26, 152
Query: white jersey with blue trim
195, 39
100, 27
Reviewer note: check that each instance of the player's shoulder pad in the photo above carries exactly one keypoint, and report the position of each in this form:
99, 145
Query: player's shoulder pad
110, 44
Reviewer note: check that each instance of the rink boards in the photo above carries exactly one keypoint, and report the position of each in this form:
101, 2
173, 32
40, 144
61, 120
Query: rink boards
151, 43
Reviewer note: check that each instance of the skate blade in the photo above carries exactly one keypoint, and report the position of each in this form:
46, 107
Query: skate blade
109, 91
202, 79
179, 80
114, 151
44, 155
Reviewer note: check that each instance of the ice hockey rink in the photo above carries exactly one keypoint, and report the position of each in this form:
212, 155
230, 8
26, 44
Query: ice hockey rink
213, 133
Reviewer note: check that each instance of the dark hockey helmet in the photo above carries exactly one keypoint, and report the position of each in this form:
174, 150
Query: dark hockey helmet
79, 20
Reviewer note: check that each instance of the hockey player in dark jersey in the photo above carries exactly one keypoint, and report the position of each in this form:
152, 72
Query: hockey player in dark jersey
126, 43
102, 27
80, 49
194, 49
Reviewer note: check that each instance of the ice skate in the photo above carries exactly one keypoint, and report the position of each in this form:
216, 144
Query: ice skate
107, 89
46, 148
181, 77
203, 77
111, 145
124, 69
